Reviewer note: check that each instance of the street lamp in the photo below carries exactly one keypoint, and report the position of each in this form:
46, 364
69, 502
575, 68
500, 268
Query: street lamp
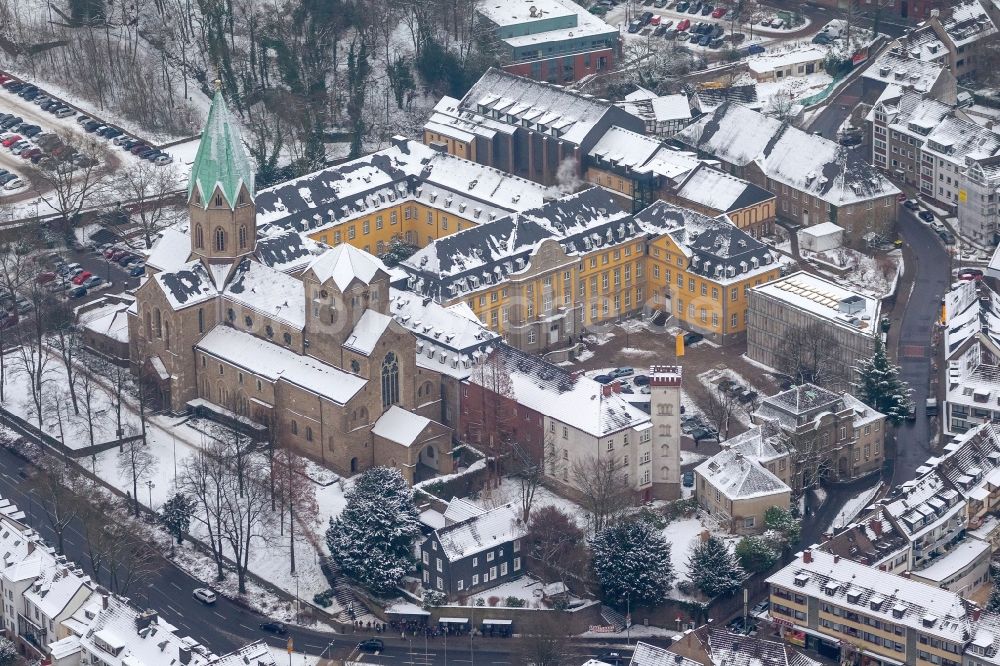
150, 485
296, 577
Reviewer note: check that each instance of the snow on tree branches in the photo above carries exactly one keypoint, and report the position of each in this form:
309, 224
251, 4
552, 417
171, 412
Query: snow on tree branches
880, 386
372, 540
632, 562
714, 569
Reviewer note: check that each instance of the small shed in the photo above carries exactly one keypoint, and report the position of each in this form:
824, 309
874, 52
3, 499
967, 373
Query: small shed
821, 237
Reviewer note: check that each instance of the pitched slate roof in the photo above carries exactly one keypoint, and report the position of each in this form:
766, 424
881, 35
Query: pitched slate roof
487, 530
345, 263
187, 285
221, 160
738, 477
720, 191
269, 292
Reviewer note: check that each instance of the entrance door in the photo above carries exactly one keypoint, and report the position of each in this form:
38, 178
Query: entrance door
553, 334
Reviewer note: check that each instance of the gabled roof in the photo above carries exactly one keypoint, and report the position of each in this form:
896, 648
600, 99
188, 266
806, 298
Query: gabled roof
172, 249
400, 426
286, 250
802, 399
221, 160
487, 530
187, 285
651, 655
368, 331
734, 649
762, 442
268, 291
720, 191
344, 264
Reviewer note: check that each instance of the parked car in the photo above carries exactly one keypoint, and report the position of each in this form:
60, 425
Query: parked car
926, 216
912, 204
14, 184
80, 292
45, 276
202, 594
688, 479
634, 26
761, 607
623, 371
92, 281
9, 319
137, 270
603, 379
646, 17
10, 141
683, 25
655, 20
970, 274
778, 23
640, 380
371, 645
755, 49
274, 627
694, 9
682, 7
691, 337
719, 12
660, 30
64, 112
706, 10
80, 277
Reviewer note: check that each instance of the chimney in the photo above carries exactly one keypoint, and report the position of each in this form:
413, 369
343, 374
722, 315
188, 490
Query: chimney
144, 619
876, 526
184, 654
836, 558
616, 386
104, 601
807, 556
905, 574
606, 391
976, 613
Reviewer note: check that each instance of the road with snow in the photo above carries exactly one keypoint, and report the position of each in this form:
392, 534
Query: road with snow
932, 276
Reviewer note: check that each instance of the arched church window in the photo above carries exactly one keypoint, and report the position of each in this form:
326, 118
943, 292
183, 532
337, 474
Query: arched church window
243, 236
220, 239
199, 236
390, 380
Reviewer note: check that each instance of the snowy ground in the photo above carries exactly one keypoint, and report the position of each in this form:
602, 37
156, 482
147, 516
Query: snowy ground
792, 88
710, 380
853, 507
508, 491
172, 441
682, 535
526, 588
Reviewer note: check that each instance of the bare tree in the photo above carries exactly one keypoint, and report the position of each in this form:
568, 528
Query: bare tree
16, 263
68, 187
720, 409
137, 463
60, 503
65, 338
244, 514
489, 418
298, 494
808, 354
201, 480
89, 392
528, 469
150, 188
781, 105
604, 491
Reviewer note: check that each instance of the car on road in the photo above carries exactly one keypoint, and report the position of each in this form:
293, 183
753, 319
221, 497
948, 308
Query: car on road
926, 216
371, 645
911, 204
947, 237
687, 478
202, 594
274, 627
691, 337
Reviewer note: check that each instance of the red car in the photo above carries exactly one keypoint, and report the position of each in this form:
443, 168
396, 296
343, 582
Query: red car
4, 78
11, 140
45, 276
30, 152
81, 277
683, 25
655, 20
719, 12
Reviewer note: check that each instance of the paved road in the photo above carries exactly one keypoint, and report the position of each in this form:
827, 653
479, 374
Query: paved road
932, 275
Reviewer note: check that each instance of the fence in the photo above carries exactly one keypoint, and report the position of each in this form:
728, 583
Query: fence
32, 431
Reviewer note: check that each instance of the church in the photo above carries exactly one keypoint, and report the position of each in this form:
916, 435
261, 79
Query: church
296, 341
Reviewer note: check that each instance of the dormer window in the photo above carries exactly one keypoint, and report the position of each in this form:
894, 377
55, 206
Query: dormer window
218, 200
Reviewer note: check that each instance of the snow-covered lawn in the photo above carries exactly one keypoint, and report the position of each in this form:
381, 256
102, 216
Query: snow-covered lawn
683, 535
692, 458
526, 588
853, 507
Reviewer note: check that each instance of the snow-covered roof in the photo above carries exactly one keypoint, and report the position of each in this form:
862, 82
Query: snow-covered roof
923, 505
906, 72
771, 60
924, 44
487, 530
863, 414
827, 578
745, 94
740, 478
822, 229
624, 148
367, 332
720, 191
550, 390
285, 250
565, 114
806, 400
651, 655
113, 635
967, 21
519, 13
187, 285
762, 442
460, 509
954, 561
732, 649
956, 139
872, 540
346, 263
170, 251
56, 586
275, 363
587, 26
269, 292
809, 163
109, 320
714, 247
400, 426
825, 300
64, 648
405, 171
258, 654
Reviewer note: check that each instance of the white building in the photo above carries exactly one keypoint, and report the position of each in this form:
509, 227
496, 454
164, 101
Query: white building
972, 351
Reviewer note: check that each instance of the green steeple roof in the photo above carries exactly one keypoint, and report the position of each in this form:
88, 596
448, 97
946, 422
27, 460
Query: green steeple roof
221, 159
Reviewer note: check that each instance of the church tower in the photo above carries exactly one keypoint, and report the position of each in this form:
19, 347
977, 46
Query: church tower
221, 191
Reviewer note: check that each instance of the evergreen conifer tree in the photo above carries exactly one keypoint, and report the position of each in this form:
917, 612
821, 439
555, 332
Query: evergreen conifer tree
880, 386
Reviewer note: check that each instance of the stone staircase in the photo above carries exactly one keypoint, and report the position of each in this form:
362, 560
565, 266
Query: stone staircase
346, 608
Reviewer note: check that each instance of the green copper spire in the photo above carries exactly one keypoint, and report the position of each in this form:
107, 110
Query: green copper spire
221, 159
